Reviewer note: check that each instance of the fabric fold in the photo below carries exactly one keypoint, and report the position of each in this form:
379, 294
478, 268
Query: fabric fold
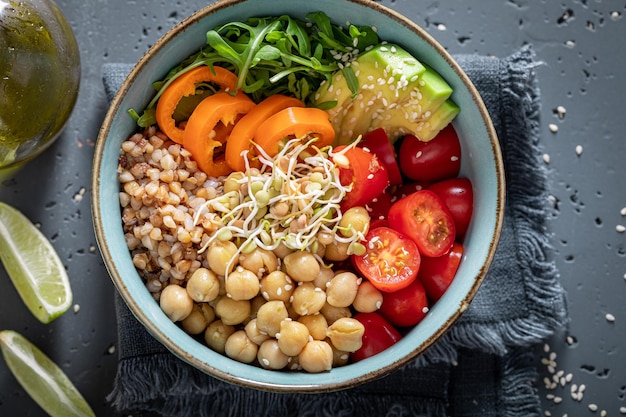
481, 367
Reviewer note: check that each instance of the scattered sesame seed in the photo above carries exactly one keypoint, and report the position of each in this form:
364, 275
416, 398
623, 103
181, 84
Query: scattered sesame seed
546, 347
603, 413
593, 407
622, 410
579, 150
610, 317
570, 43
76, 308
454, 158
111, 349
620, 228
441, 26
553, 128
615, 15
623, 211
560, 111
546, 158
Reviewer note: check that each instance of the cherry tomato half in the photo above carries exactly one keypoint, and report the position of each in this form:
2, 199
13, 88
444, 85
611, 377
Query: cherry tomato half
378, 143
364, 171
391, 259
458, 196
436, 274
423, 217
379, 335
405, 307
435, 160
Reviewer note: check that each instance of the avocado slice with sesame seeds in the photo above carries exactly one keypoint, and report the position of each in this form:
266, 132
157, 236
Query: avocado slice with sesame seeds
396, 92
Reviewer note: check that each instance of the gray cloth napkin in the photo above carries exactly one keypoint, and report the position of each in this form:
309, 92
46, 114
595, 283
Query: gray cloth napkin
482, 367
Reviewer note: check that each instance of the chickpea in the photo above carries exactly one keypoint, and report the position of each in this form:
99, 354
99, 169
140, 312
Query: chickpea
277, 286
242, 284
346, 334
281, 251
232, 311
292, 337
196, 322
337, 251
316, 356
240, 347
342, 289
216, 334
354, 220
340, 358
270, 356
260, 260
332, 313
308, 299
324, 277
254, 333
255, 304
175, 302
270, 315
220, 254
317, 325
203, 285
301, 266
368, 298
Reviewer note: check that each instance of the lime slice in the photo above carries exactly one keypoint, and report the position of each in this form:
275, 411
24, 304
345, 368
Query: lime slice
33, 265
41, 378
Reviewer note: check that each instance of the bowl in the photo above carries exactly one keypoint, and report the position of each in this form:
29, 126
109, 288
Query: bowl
481, 163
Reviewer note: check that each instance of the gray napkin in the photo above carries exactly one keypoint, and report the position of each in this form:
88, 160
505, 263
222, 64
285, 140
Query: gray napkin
482, 367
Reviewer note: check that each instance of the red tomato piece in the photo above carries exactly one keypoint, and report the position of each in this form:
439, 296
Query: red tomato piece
378, 143
405, 307
379, 207
391, 260
424, 218
407, 189
430, 161
379, 335
457, 194
436, 274
364, 171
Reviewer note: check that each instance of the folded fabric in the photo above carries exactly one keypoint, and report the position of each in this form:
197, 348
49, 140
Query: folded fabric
482, 366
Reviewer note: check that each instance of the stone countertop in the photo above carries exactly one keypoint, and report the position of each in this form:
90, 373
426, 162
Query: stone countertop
582, 49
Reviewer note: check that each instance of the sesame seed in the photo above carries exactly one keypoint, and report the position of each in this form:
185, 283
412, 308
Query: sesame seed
579, 150
623, 211
557, 400
610, 317
546, 158
418, 154
425, 310
76, 308
560, 111
454, 158
553, 128
593, 407
622, 410
620, 228
570, 43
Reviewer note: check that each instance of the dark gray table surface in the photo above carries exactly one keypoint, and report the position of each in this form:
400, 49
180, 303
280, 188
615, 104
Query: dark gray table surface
582, 44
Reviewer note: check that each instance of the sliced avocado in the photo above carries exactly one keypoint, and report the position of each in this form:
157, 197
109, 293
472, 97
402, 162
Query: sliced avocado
384, 73
438, 120
396, 92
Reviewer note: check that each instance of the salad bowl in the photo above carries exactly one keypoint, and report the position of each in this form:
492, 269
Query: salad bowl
481, 163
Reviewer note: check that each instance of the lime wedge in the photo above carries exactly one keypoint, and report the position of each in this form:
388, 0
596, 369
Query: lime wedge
33, 265
41, 378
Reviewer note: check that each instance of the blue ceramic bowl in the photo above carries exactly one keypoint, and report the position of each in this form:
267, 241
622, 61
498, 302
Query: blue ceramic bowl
481, 163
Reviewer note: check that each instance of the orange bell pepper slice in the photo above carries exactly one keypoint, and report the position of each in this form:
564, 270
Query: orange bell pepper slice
183, 86
208, 129
243, 133
294, 122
